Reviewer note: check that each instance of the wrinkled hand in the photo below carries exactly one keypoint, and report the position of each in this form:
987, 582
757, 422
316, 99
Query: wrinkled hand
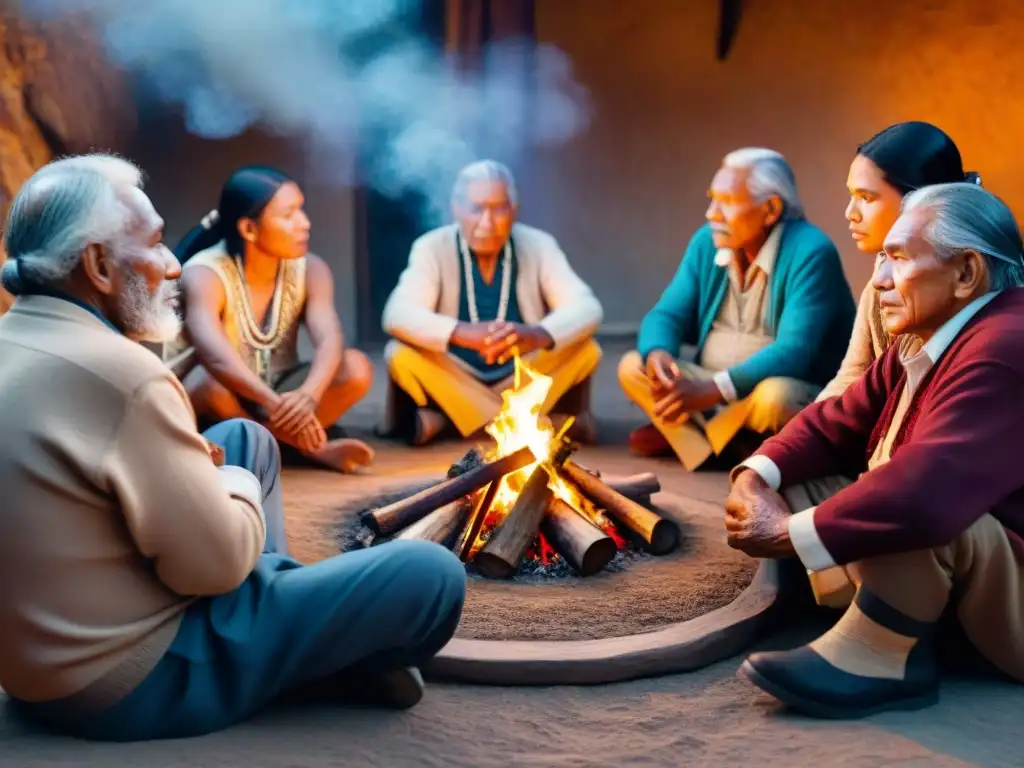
473, 336
216, 453
686, 396
757, 518
663, 371
508, 340
293, 410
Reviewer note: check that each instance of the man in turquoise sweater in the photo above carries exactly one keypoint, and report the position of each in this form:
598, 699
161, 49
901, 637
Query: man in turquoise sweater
761, 295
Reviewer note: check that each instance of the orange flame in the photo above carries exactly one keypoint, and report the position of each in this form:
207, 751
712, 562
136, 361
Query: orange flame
519, 424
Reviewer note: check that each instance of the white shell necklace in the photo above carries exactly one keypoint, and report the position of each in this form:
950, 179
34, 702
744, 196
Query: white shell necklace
254, 335
506, 280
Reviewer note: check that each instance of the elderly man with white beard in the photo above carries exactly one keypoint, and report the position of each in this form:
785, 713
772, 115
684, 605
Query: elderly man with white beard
147, 589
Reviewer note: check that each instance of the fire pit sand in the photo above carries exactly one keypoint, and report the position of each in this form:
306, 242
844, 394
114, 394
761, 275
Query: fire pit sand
574, 576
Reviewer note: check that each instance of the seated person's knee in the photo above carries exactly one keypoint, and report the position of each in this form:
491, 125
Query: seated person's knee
356, 371
209, 396
245, 437
630, 366
432, 571
779, 399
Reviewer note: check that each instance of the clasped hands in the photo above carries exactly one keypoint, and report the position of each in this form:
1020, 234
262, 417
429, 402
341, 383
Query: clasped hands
675, 395
294, 414
500, 341
757, 518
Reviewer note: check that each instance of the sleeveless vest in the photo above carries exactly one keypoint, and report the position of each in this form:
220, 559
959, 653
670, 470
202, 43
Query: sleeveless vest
269, 349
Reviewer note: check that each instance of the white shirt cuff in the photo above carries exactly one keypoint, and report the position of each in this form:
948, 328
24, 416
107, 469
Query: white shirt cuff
765, 467
807, 542
242, 484
724, 383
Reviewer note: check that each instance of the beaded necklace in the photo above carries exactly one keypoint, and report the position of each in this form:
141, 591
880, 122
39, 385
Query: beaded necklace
263, 342
506, 280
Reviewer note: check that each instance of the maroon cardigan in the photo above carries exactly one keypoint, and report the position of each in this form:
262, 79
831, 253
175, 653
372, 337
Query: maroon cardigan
958, 455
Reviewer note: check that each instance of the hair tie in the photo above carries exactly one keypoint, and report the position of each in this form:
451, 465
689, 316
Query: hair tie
209, 221
10, 277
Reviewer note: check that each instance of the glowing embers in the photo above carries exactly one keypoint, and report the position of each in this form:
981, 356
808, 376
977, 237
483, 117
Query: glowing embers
524, 504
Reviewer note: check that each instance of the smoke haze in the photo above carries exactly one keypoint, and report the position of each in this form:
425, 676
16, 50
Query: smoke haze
342, 76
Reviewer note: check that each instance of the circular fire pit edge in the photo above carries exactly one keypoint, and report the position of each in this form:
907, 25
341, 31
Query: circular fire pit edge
680, 647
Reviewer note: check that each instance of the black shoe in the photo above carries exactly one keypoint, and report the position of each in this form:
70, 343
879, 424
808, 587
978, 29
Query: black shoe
807, 683
397, 689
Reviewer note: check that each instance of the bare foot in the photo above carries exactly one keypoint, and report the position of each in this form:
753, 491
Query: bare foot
345, 455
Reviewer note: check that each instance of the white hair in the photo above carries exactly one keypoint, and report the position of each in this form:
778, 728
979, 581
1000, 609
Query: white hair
966, 217
485, 170
64, 207
770, 176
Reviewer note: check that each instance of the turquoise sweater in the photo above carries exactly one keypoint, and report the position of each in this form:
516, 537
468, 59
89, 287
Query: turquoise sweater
810, 309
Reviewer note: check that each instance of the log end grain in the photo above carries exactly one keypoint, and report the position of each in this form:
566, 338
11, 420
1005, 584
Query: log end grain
665, 537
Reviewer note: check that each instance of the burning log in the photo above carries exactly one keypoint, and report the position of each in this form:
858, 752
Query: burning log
500, 556
474, 458
660, 535
394, 517
585, 547
472, 532
441, 525
636, 487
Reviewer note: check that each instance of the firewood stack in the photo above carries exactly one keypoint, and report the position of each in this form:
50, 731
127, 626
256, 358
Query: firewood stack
574, 510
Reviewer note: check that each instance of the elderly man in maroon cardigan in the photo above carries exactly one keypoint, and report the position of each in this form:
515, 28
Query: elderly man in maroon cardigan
935, 431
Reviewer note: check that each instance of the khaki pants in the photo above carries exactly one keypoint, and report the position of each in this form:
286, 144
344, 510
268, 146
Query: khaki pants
765, 410
984, 571
469, 403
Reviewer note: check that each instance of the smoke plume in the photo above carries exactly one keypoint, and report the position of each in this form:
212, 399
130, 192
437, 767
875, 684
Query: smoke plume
343, 76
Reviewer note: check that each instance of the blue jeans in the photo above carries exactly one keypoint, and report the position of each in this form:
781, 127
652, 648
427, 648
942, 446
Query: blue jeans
287, 625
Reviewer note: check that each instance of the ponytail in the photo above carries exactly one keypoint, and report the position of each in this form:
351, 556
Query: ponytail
244, 196
204, 235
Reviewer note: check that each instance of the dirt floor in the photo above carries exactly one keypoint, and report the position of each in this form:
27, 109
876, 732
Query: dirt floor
637, 593
704, 718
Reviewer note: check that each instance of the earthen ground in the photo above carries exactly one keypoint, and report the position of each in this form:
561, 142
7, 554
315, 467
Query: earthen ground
643, 594
703, 718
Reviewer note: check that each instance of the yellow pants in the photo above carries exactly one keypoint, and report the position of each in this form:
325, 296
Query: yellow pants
765, 410
470, 404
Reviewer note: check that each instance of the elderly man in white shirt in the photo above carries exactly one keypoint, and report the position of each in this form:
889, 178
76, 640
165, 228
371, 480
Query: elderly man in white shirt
475, 295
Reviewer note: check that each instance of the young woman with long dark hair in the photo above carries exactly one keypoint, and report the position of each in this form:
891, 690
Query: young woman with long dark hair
249, 282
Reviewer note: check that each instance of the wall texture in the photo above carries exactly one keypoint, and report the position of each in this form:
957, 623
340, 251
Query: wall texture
57, 95
809, 78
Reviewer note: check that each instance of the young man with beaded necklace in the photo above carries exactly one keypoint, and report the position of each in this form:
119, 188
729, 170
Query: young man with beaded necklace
474, 296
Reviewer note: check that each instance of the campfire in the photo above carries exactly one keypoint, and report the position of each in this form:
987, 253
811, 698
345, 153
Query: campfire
526, 499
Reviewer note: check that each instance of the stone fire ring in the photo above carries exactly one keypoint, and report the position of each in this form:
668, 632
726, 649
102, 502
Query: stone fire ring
680, 647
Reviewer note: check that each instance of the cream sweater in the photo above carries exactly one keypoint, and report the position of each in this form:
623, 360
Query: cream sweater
113, 517
423, 309
867, 343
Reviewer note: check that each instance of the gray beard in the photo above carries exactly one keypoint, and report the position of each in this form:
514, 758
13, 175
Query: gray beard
147, 317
